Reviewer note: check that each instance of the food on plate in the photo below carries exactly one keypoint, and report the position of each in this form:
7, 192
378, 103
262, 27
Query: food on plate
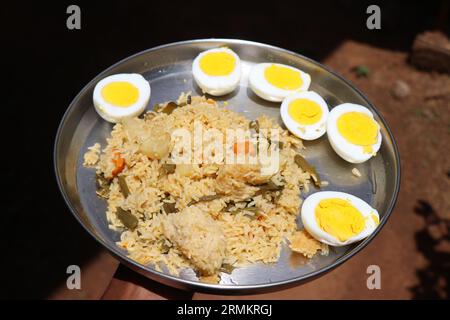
121, 96
306, 166
198, 236
275, 81
212, 217
302, 242
305, 115
337, 218
353, 132
356, 173
217, 71
92, 156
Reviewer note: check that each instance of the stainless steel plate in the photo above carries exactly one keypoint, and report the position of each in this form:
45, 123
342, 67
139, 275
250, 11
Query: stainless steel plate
168, 69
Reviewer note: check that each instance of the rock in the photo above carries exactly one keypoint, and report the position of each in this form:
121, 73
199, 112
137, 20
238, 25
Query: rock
401, 89
431, 52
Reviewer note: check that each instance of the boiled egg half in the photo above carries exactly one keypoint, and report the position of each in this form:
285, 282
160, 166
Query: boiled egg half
353, 132
338, 218
305, 114
121, 96
275, 81
217, 71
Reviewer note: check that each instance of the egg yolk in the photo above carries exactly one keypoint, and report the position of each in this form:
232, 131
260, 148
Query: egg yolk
305, 111
283, 77
217, 64
358, 128
339, 218
120, 94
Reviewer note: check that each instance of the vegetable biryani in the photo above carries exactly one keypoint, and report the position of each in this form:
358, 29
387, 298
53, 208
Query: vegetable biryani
205, 215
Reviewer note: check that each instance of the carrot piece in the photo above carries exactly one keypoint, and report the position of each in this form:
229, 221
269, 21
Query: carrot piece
119, 162
245, 146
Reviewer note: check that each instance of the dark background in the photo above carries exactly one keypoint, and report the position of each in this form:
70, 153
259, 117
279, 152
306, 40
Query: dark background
45, 65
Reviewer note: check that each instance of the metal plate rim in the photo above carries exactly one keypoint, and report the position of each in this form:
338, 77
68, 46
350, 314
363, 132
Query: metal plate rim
217, 288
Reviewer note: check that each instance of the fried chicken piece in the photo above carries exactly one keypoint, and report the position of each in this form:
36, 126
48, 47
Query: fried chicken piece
199, 237
302, 242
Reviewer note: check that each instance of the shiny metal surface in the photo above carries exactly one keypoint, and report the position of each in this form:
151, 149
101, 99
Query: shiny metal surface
168, 69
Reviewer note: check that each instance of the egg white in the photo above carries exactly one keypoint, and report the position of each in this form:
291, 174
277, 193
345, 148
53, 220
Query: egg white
305, 132
265, 90
112, 113
217, 85
346, 150
310, 223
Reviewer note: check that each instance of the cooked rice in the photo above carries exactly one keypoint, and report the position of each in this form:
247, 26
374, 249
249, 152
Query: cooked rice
356, 173
92, 156
229, 234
